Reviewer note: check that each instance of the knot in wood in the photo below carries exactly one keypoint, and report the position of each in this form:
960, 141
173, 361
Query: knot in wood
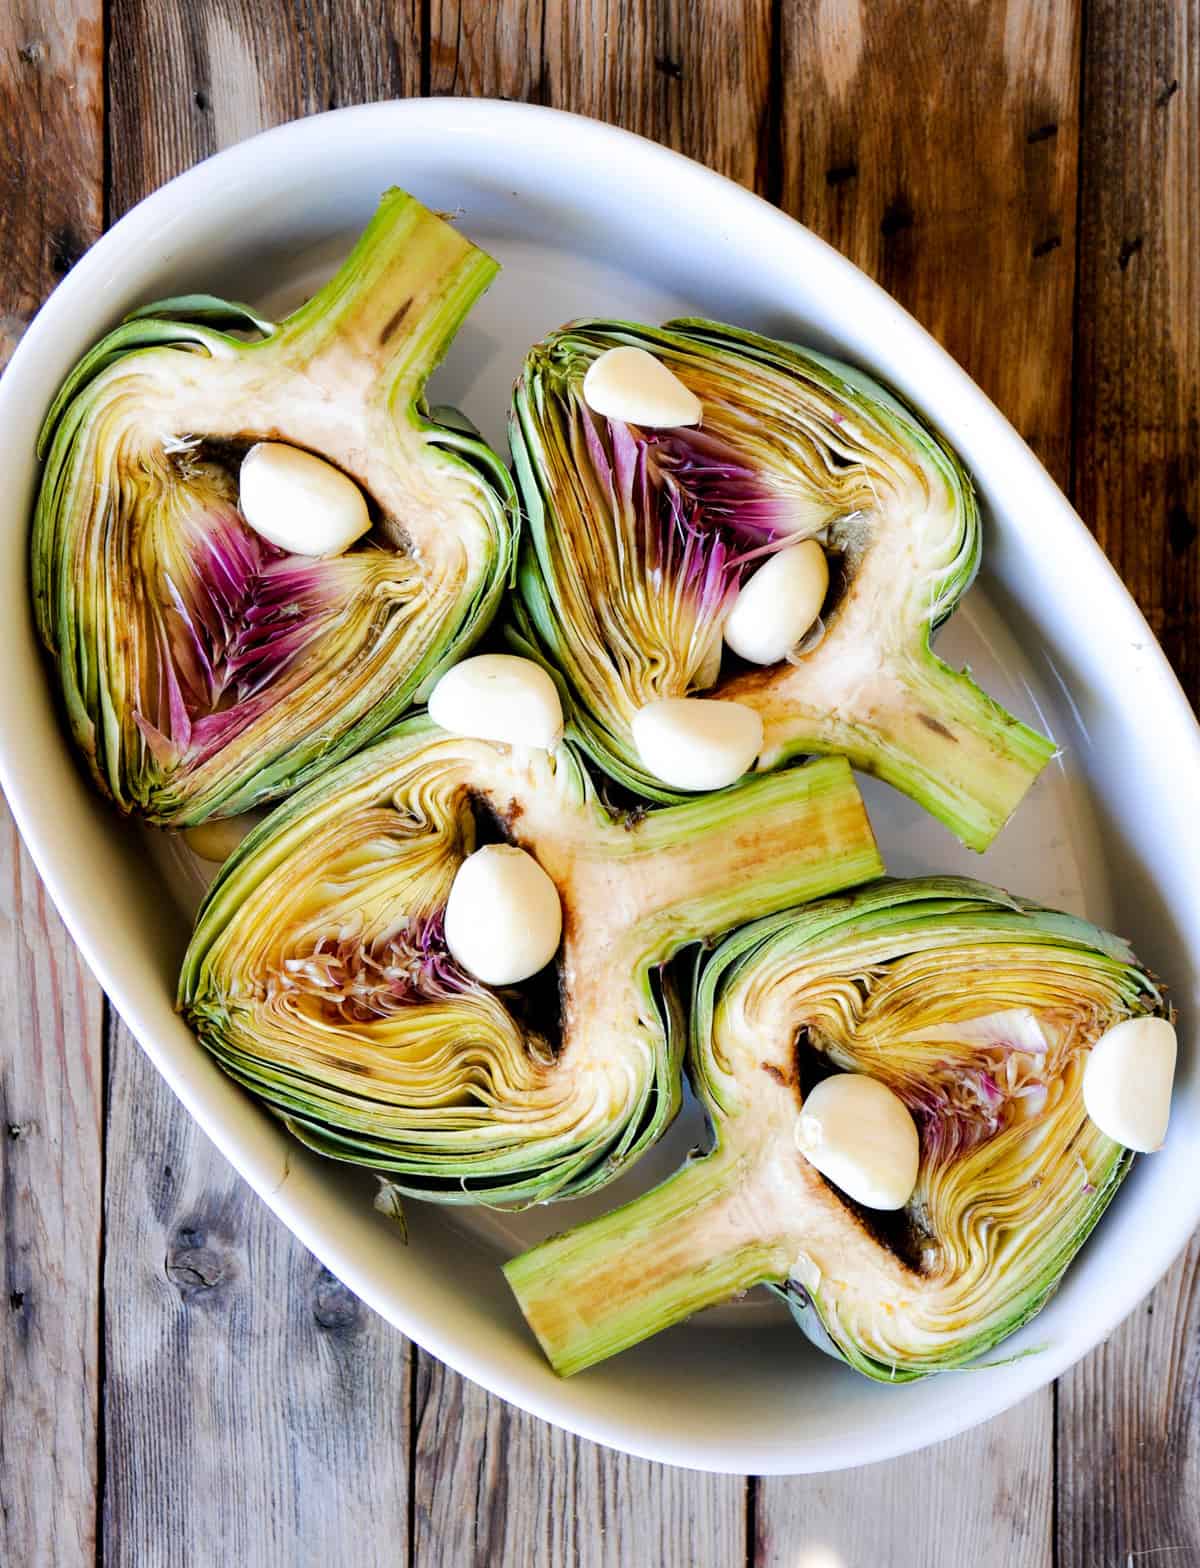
193, 1266
335, 1307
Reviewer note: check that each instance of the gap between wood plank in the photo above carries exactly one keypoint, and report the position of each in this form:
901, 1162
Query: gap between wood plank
108, 1020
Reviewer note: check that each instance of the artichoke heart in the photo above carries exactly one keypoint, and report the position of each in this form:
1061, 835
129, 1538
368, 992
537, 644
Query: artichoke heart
318, 972
203, 670
639, 540
978, 1011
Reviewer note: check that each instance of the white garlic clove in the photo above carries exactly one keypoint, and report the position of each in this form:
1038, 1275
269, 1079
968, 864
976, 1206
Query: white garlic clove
498, 696
778, 605
217, 840
629, 384
299, 502
503, 917
697, 743
862, 1138
1127, 1082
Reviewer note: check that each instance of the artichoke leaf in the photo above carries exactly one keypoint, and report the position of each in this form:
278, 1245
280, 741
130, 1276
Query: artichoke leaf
639, 539
204, 671
978, 1010
319, 977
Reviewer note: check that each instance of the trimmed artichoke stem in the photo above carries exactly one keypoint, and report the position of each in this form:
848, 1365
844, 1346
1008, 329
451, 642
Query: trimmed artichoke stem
960, 754
934, 735
686, 1245
405, 289
735, 871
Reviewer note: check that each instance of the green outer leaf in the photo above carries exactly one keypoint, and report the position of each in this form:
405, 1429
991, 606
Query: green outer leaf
207, 308
966, 1353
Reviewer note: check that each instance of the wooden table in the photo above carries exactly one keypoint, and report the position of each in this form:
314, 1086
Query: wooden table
180, 1382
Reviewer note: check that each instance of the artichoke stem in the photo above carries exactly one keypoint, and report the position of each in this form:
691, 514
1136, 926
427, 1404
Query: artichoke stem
686, 1245
958, 753
398, 299
930, 732
768, 842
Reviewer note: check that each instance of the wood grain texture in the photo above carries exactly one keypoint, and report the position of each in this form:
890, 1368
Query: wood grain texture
694, 76
983, 1499
1129, 1416
188, 78
50, 1186
256, 1411
1137, 452
1130, 1437
52, 162
495, 1486
936, 145
51, 208
490, 51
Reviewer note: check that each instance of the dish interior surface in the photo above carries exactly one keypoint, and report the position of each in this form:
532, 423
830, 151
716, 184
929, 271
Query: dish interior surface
1101, 834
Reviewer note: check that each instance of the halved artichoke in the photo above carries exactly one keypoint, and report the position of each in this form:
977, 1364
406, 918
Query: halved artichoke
638, 540
978, 1010
319, 977
203, 670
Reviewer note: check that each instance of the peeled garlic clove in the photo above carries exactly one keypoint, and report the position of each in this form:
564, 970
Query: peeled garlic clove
862, 1138
217, 840
629, 384
299, 502
778, 604
1127, 1082
503, 916
498, 696
697, 742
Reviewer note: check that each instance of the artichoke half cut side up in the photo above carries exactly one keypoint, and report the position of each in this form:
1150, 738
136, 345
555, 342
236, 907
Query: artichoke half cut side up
978, 1011
638, 540
204, 671
319, 977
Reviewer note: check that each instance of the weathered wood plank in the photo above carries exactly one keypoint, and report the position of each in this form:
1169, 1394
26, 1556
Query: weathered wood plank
696, 76
937, 146
493, 1486
51, 208
1129, 1437
937, 149
982, 1499
256, 1411
50, 1205
52, 171
492, 51
186, 79
1129, 1416
1137, 454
